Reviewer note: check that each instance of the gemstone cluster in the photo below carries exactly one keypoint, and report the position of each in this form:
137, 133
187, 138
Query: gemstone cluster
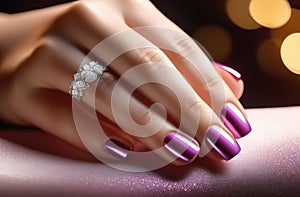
88, 73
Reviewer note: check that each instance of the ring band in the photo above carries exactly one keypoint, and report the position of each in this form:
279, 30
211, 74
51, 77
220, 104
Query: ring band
87, 74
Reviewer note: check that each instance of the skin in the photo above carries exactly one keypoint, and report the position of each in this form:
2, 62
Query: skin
40, 44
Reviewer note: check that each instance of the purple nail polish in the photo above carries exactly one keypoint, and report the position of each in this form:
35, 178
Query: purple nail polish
222, 142
233, 72
181, 146
235, 121
116, 148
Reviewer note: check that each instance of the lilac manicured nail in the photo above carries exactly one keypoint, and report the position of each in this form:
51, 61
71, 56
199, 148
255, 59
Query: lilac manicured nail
116, 148
182, 147
233, 72
222, 142
235, 121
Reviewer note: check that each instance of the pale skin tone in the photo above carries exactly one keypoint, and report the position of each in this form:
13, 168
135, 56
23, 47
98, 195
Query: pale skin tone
37, 45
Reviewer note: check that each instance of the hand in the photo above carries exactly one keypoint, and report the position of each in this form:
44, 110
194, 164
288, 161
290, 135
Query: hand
42, 50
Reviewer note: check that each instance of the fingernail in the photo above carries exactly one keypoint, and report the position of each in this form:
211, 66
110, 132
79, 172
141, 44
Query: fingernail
182, 147
231, 71
116, 148
235, 121
222, 142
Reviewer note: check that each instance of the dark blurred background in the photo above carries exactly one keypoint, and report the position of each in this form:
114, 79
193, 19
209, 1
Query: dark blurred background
251, 49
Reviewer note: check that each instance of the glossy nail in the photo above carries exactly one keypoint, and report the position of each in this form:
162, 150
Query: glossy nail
235, 121
116, 148
222, 142
183, 147
231, 71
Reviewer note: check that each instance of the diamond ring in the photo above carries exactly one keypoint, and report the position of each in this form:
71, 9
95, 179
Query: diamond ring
87, 74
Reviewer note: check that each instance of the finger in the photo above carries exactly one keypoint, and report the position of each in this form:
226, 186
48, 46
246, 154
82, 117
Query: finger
189, 113
61, 66
44, 106
59, 122
142, 122
232, 78
154, 69
203, 77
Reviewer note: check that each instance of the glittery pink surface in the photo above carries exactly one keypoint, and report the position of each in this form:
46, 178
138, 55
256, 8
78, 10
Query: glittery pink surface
35, 164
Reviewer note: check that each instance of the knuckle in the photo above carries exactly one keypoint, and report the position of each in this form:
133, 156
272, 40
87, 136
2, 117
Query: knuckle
154, 68
143, 116
79, 12
212, 84
137, 2
78, 8
31, 70
46, 45
149, 55
40, 52
45, 48
184, 45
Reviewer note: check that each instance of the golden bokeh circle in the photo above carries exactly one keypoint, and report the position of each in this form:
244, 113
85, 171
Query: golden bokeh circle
238, 13
270, 13
289, 51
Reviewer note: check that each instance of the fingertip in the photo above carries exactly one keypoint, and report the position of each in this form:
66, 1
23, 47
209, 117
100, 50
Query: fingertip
232, 78
238, 90
235, 120
229, 70
219, 144
183, 148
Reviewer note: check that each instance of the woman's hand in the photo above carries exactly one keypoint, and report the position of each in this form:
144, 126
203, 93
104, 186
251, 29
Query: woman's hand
41, 50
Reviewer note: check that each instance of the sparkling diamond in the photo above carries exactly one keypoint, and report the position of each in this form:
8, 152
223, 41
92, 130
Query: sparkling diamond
99, 69
88, 73
86, 67
88, 76
92, 63
77, 94
77, 76
80, 85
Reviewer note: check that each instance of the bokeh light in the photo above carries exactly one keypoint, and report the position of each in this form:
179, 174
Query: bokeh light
270, 13
238, 12
289, 51
269, 61
292, 26
216, 40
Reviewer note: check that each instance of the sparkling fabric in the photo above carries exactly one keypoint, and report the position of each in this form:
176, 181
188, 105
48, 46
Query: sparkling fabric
36, 164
